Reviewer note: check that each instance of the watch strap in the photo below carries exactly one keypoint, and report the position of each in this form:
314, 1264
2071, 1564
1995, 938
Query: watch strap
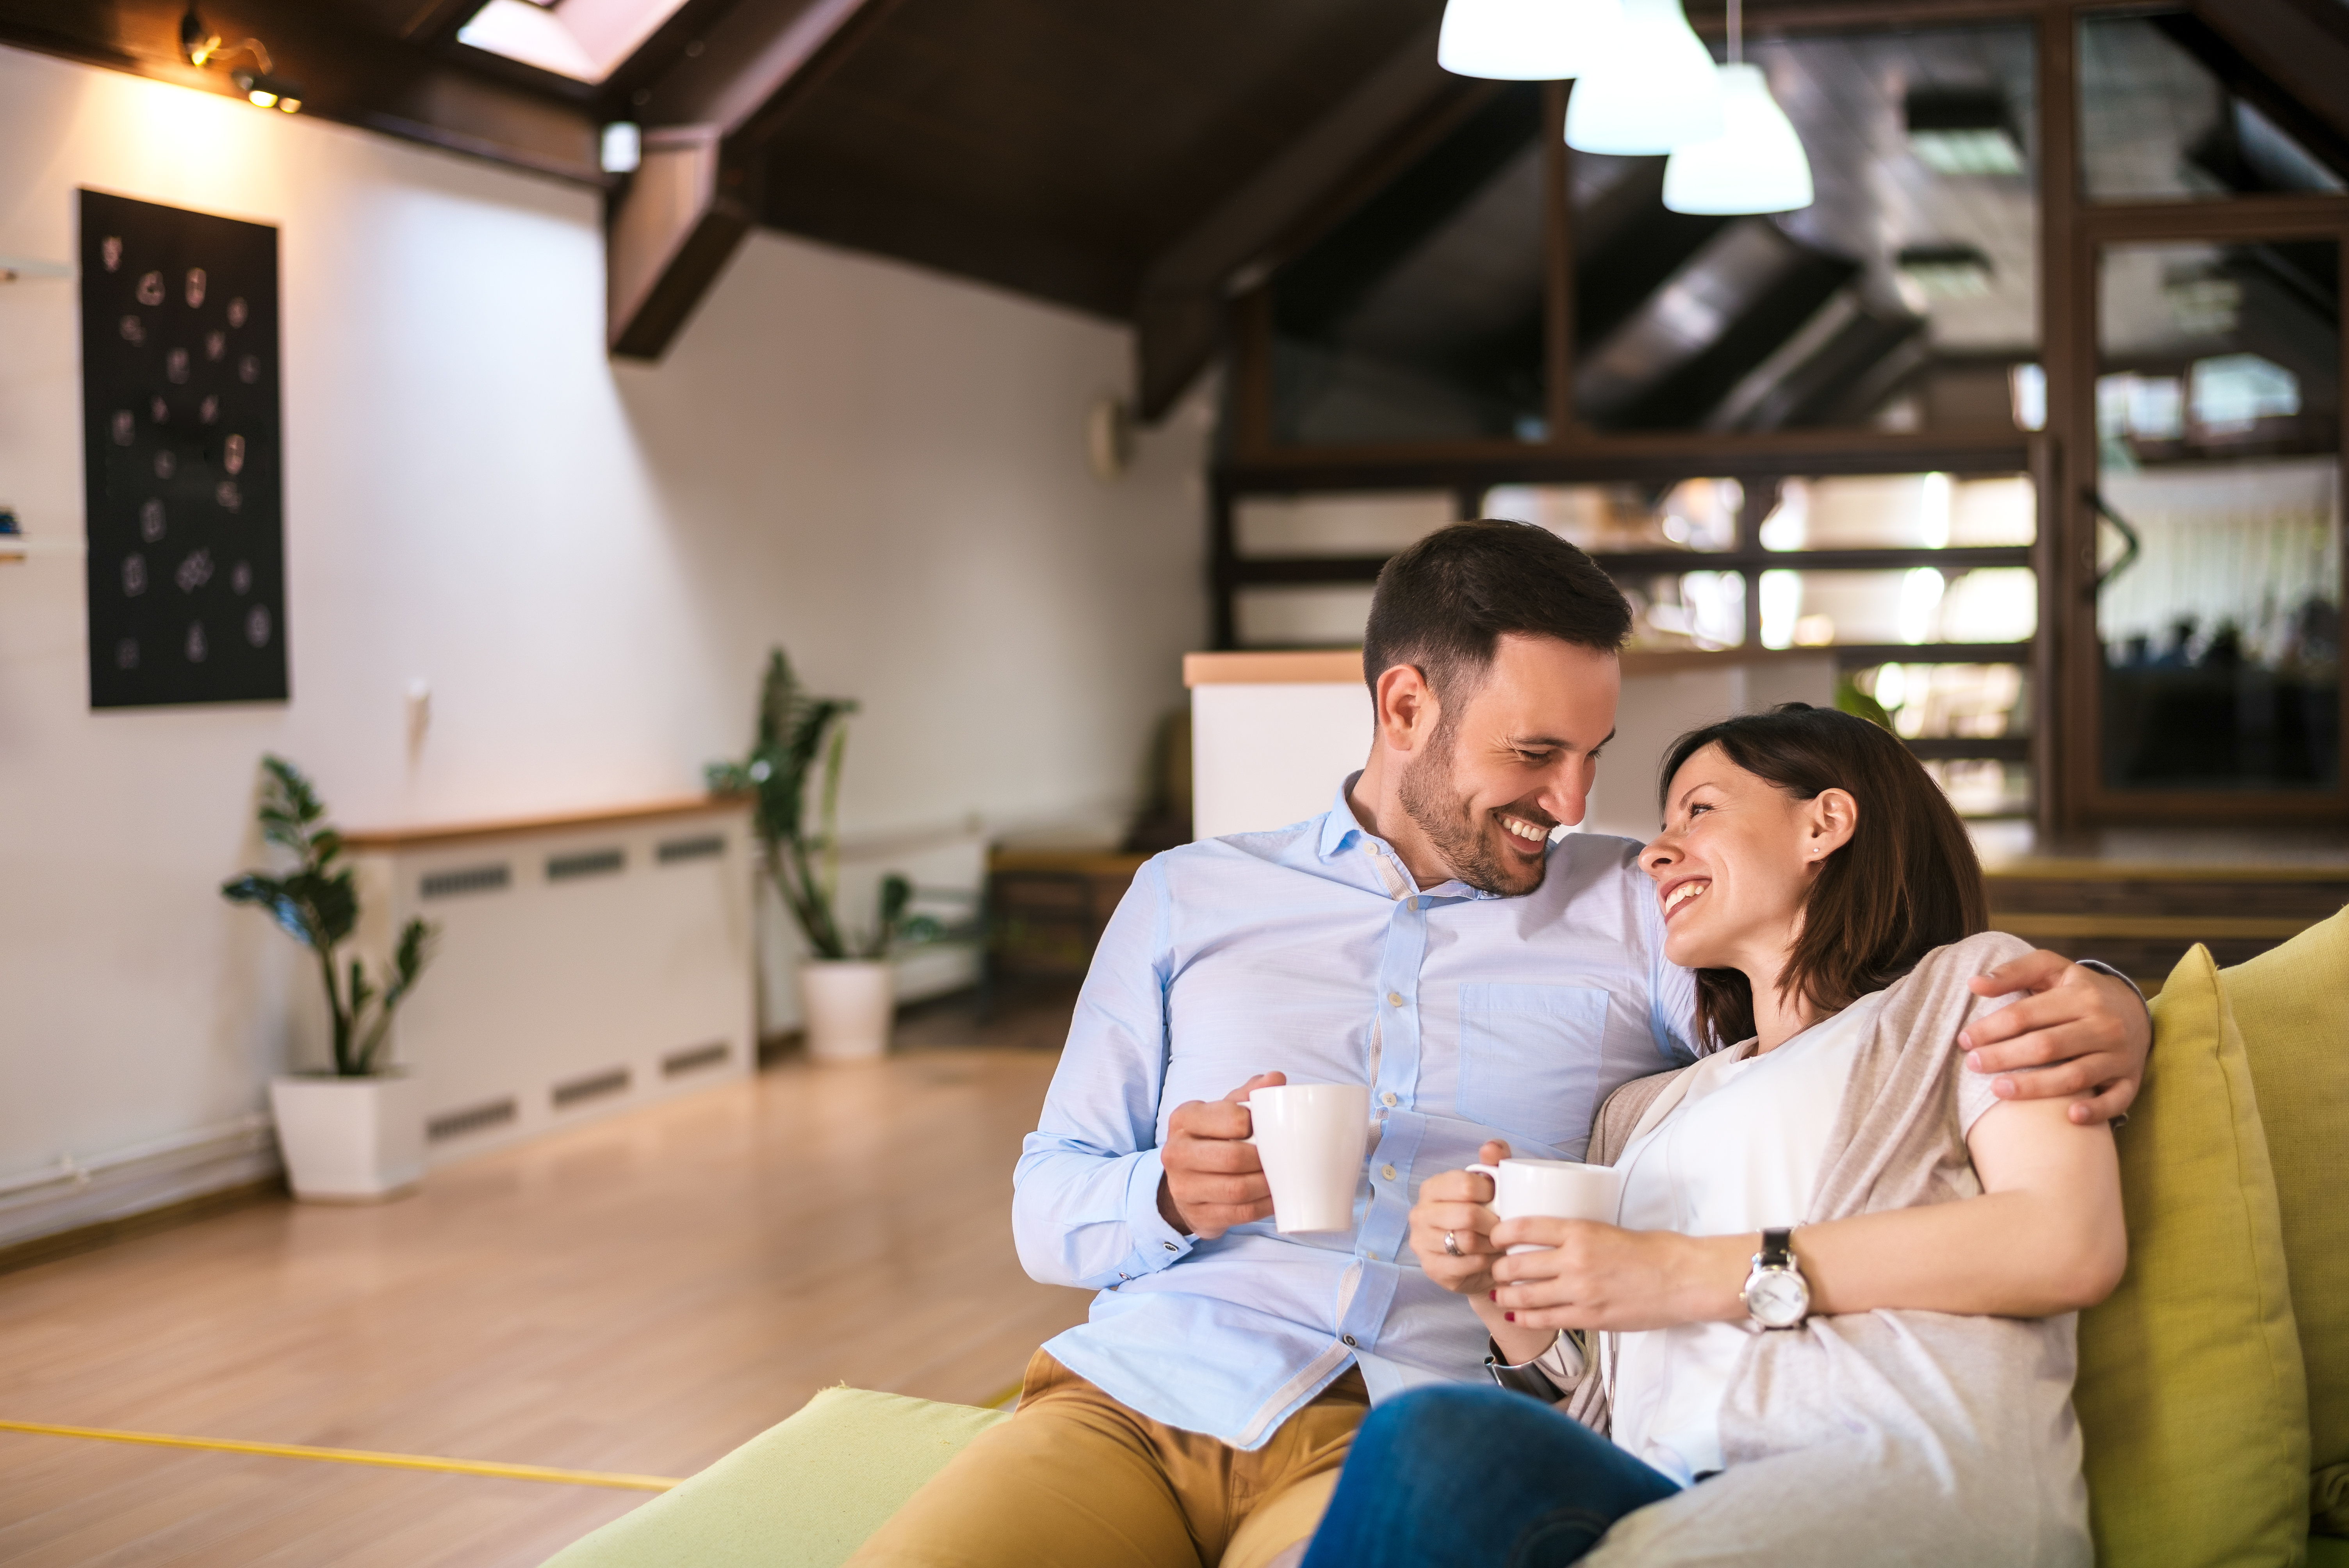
1777, 1250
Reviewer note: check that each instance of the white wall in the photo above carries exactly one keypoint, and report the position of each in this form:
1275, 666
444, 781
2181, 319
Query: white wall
881, 467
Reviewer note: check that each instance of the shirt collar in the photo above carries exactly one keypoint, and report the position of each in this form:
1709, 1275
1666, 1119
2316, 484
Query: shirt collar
1341, 831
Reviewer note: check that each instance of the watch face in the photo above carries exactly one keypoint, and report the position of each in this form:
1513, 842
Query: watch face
1777, 1297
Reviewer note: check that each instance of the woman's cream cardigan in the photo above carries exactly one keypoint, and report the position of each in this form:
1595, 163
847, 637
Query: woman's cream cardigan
1878, 1438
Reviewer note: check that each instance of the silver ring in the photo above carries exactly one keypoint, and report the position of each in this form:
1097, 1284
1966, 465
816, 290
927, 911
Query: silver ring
1451, 1245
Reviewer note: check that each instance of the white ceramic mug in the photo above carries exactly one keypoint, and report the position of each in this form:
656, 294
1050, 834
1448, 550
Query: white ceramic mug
1554, 1189
1312, 1138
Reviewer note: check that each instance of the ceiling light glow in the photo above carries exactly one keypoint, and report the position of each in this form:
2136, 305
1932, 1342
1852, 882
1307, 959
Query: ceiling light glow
1943, 272
1963, 133
1756, 165
1654, 87
1525, 40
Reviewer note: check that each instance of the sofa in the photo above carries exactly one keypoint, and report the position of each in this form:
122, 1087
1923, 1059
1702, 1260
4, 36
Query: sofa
2214, 1386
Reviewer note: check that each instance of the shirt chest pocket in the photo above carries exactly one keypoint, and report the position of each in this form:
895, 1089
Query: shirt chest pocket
1530, 1058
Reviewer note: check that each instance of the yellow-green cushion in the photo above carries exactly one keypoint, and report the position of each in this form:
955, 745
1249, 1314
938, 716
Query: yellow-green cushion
2292, 1006
804, 1494
2190, 1395
2328, 1551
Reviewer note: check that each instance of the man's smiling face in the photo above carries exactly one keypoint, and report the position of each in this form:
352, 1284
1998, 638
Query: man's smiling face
1513, 758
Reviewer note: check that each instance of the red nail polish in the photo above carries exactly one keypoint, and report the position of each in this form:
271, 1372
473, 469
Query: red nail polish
1509, 1316
1491, 1295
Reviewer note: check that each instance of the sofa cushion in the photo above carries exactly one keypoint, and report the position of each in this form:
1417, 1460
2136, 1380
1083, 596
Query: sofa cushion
2191, 1397
802, 1494
2292, 1006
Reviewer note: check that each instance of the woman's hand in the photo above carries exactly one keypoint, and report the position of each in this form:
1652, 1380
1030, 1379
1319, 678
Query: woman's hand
1457, 1202
1592, 1275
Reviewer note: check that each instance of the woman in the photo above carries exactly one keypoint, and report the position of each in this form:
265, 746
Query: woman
1915, 1408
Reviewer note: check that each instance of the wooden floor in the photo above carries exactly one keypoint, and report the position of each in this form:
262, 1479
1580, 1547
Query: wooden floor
637, 1295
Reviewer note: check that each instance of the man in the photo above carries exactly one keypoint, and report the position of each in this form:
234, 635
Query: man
1426, 935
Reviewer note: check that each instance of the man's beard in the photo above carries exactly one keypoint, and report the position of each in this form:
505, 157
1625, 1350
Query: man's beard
1468, 842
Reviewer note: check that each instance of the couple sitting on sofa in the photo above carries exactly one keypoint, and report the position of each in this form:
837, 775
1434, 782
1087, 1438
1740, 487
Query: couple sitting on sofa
1833, 1324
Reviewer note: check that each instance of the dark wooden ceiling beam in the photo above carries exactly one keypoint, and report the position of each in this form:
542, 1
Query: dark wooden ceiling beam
350, 75
678, 221
2304, 49
1179, 314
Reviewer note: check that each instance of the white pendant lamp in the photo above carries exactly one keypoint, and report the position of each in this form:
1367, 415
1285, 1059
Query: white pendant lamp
1756, 164
1525, 40
1656, 89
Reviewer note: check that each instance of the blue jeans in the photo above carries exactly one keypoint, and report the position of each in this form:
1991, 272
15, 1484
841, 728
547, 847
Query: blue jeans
1477, 1477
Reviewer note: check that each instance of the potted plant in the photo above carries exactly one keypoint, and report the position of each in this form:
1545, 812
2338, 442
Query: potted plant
845, 987
355, 1134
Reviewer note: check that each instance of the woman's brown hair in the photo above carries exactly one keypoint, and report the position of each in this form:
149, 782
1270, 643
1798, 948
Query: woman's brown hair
1907, 881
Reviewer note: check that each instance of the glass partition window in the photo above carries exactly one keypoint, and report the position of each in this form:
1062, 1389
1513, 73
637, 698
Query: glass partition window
1315, 615
1950, 702
2168, 113
1373, 522
2219, 607
1902, 298
1687, 609
1694, 514
1917, 604
1981, 787
1902, 511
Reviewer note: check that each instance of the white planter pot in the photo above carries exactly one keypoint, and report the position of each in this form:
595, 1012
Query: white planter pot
350, 1140
850, 1004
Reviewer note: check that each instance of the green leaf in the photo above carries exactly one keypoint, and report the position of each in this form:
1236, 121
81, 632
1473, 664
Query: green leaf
798, 741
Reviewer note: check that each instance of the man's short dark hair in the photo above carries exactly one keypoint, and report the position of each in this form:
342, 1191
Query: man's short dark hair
1444, 604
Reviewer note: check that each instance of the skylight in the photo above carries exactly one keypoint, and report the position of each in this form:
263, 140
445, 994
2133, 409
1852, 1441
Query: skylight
586, 40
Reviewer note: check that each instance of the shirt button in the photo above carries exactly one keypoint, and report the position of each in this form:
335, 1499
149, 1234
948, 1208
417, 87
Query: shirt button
1388, 1099
1395, 998
1373, 1257
1387, 1171
1350, 1341
1414, 904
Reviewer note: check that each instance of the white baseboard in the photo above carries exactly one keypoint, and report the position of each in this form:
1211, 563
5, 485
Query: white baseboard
76, 1193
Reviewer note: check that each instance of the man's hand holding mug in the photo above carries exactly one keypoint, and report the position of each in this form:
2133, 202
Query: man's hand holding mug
1213, 1177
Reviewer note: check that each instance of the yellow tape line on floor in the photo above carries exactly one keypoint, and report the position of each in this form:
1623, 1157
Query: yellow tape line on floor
359, 1457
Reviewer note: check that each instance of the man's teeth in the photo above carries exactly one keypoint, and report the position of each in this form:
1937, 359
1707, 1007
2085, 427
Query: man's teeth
1682, 894
1524, 830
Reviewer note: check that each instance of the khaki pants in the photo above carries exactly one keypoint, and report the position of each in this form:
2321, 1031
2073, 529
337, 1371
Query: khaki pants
1076, 1479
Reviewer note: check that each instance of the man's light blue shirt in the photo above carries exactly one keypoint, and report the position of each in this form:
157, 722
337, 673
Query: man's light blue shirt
1309, 951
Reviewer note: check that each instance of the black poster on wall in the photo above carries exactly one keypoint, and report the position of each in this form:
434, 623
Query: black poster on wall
179, 407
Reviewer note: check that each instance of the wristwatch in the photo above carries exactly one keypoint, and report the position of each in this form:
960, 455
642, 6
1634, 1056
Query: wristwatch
1527, 1377
1776, 1294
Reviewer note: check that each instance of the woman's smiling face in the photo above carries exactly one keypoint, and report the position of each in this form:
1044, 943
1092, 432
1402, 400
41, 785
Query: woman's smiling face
1735, 861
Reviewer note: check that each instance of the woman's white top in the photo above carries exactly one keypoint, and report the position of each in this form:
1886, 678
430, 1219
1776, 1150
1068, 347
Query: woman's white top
1742, 1151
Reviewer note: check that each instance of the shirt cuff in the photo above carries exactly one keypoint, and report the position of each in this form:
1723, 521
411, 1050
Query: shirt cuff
2101, 967
1157, 1243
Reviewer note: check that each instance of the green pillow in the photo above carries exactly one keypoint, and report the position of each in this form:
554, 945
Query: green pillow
2292, 1006
2191, 1400
804, 1494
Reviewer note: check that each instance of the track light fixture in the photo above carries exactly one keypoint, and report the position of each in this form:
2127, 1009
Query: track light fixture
262, 85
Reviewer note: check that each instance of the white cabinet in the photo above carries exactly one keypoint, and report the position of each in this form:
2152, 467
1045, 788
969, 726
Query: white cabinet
584, 965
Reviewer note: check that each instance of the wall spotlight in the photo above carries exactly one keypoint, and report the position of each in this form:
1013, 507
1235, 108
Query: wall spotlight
197, 42
262, 86
264, 91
